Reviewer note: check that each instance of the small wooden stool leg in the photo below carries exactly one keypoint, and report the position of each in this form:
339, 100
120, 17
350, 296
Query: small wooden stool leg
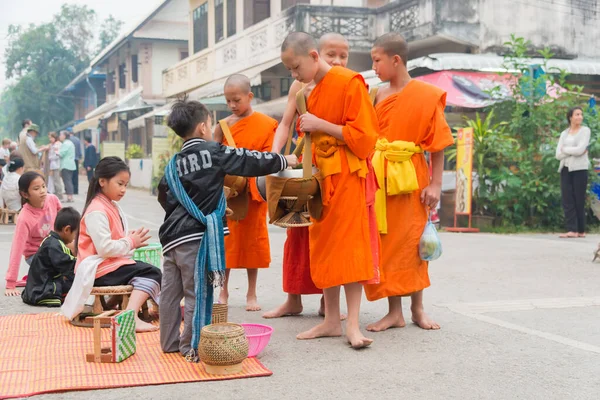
97, 308
145, 313
125, 302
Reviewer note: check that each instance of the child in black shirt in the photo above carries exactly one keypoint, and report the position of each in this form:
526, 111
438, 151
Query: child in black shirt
52, 269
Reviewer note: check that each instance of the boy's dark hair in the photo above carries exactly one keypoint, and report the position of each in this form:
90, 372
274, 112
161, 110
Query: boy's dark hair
186, 115
25, 122
87, 138
67, 216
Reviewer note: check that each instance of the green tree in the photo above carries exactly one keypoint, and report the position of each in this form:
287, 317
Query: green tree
525, 185
41, 60
111, 27
75, 29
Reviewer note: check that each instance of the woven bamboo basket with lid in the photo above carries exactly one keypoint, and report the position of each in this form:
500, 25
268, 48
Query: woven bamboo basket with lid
219, 313
223, 347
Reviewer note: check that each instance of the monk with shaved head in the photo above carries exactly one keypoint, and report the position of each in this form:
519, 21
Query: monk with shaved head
334, 49
411, 121
343, 129
247, 245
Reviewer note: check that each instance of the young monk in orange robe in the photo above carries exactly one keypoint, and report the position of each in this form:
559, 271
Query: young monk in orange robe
343, 128
334, 49
411, 119
247, 245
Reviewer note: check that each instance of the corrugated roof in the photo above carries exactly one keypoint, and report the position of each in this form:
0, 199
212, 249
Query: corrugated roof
495, 63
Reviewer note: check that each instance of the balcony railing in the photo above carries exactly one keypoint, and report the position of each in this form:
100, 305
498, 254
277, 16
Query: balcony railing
260, 44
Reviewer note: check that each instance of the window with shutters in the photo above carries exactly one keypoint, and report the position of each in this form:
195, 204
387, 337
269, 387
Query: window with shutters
200, 19
134, 68
219, 31
262, 91
286, 83
110, 83
256, 11
231, 19
122, 82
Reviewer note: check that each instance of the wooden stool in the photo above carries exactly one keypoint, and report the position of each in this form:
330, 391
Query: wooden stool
100, 291
123, 290
6, 214
123, 341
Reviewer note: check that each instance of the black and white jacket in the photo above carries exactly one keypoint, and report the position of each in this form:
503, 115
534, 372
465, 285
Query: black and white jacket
202, 167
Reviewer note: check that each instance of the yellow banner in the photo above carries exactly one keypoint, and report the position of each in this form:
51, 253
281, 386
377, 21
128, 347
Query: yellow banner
160, 146
112, 149
464, 170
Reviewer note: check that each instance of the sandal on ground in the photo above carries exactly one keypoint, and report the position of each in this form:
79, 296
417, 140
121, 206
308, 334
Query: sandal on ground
568, 235
581, 235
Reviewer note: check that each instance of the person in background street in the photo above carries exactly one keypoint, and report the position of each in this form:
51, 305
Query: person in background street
5, 149
9, 190
67, 164
91, 157
55, 182
78, 157
574, 164
25, 124
2, 165
28, 149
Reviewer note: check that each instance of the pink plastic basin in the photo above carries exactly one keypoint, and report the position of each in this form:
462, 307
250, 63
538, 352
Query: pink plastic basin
258, 337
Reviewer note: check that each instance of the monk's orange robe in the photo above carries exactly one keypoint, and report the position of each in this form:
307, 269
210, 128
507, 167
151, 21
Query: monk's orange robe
247, 245
340, 244
416, 114
296, 263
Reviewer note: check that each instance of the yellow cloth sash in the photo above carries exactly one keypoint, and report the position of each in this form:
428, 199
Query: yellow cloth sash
328, 157
329, 161
401, 174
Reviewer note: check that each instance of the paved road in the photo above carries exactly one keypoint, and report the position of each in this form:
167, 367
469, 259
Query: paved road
520, 319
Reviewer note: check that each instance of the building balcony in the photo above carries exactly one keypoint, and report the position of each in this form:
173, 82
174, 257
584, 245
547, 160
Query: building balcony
258, 47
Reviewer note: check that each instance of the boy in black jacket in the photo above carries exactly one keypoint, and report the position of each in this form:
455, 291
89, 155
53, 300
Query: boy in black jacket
201, 165
51, 272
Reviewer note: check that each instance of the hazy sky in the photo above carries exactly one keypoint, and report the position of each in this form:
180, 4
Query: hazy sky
18, 12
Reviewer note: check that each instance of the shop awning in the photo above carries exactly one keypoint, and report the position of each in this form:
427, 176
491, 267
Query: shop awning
140, 121
469, 89
89, 123
104, 111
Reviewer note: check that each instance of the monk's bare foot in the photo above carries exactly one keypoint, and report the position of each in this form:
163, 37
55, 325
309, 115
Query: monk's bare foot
223, 297
252, 304
321, 330
387, 322
322, 310
285, 310
357, 340
423, 321
141, 326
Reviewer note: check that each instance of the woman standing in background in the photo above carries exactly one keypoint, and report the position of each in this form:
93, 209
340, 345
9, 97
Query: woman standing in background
67, 164
574, 165
55, 183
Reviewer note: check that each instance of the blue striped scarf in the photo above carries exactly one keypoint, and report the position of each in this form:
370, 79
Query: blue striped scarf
209, 275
